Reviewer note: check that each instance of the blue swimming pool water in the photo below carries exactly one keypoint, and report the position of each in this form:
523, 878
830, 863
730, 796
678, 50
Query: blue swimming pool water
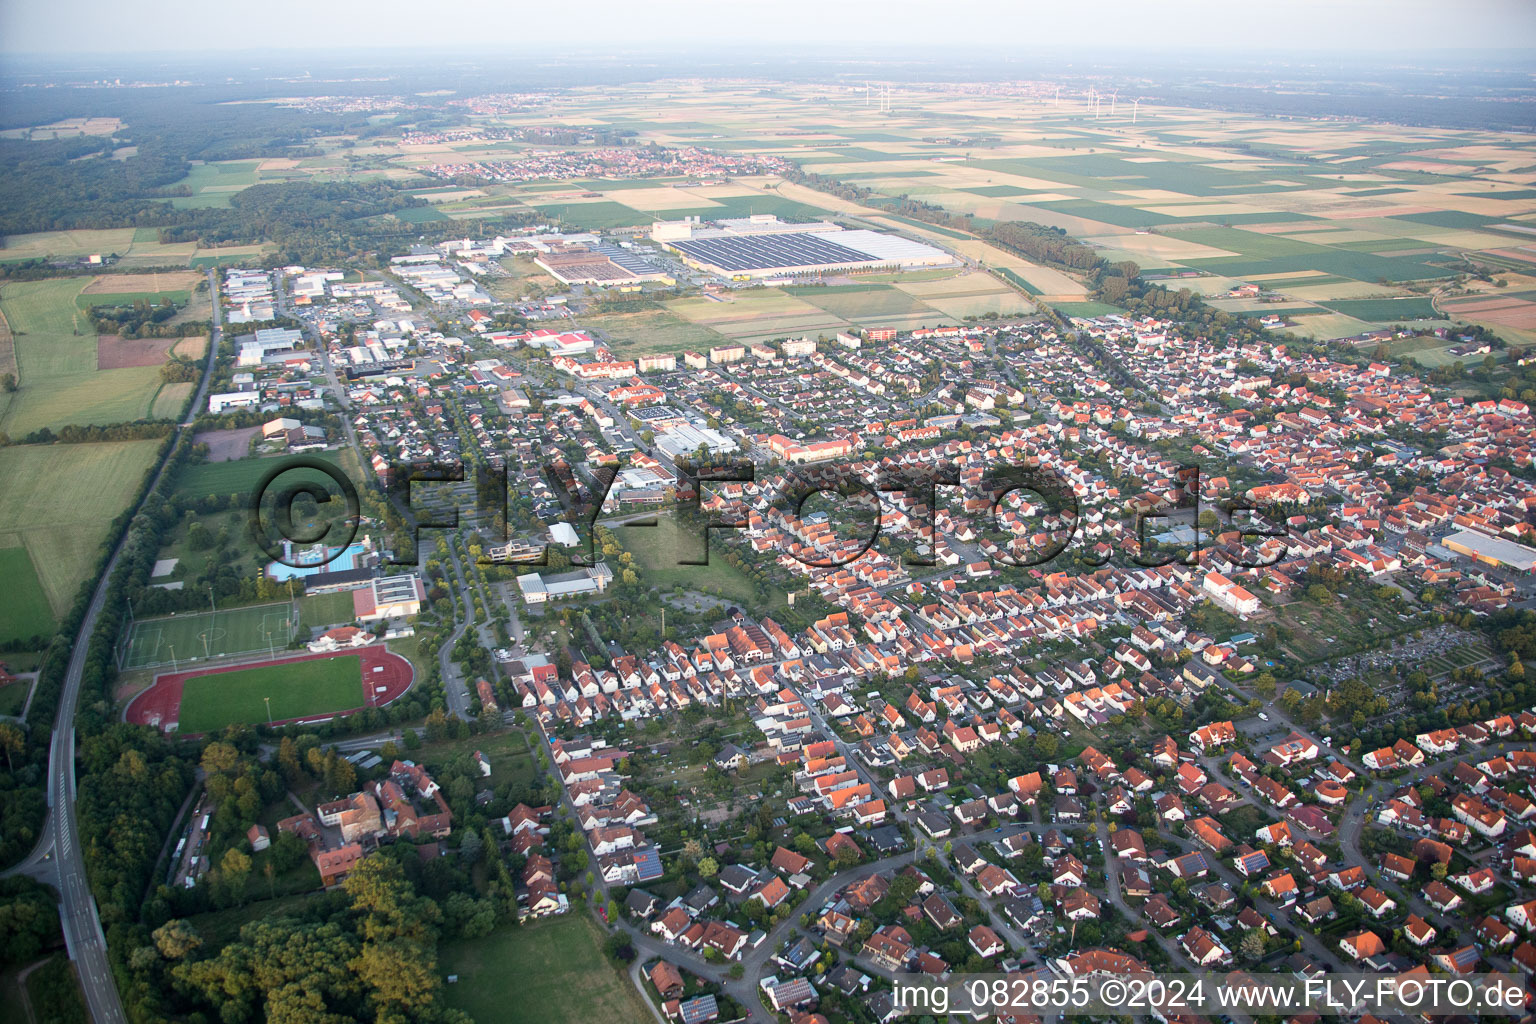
347, 559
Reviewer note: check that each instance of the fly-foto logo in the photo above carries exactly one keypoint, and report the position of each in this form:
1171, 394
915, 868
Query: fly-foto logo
995, 496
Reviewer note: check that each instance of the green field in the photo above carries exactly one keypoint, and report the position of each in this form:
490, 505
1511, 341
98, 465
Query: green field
240, 476
56, 363
1414, 307
326, 609
658, 549
871, 304
13, 698
595, 216
213, 184
652, 330
27, 612
1086, 309
58, 501
318, 687
552, 972
208, 634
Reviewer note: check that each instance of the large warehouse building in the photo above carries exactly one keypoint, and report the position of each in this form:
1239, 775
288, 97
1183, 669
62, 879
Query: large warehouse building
1496, 551
764, 246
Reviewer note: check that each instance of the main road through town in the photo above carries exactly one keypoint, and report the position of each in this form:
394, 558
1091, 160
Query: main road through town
56, 860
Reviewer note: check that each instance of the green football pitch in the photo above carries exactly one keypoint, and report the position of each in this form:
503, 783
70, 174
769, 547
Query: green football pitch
198, 636
297, 690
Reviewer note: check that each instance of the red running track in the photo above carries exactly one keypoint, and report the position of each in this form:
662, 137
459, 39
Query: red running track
161, 703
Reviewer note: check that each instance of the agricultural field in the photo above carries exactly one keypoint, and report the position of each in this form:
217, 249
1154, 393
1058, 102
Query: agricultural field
318, 687
1353, 212
524, 976
755, 314
134, 247
58, 503
67, 375
27, 611
213, 184
651, 330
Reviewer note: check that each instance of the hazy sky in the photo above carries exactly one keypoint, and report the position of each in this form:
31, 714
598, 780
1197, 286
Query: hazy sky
1235, 26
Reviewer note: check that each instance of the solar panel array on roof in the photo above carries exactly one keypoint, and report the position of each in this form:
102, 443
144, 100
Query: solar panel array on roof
765, 252
632, 262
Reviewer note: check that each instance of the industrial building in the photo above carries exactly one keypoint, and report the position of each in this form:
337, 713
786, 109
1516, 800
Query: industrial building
688, 439
764, 246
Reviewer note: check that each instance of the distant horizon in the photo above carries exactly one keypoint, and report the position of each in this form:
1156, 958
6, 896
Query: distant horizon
1350, 29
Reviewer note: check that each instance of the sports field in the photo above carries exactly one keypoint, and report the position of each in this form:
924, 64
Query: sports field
302, 688
188, 636
323, 686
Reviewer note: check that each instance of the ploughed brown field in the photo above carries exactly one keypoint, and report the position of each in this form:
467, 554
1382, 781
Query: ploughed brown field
116, 353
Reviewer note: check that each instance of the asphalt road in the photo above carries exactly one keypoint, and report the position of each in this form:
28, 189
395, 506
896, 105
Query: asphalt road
56, 860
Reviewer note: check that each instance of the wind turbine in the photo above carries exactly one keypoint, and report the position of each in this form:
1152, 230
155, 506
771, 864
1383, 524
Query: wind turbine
1134, 105
866, 94
1112, 98
1058, 95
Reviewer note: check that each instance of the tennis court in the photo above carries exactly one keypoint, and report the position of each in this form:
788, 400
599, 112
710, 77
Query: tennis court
198, 636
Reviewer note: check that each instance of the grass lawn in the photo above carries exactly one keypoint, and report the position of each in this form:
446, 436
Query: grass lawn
326, 609
552, 972
209, 703
239, 476
27, 612
511, 760
658, 549
13, 698
58, 502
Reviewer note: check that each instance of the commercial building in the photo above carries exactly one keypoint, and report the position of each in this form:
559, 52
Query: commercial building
1495, 551
687, 439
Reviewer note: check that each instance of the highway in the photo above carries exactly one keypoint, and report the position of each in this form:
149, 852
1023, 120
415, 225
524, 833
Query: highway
56, 860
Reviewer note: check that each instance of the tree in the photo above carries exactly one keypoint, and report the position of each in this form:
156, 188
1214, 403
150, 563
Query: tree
401, 979
619, 948
708, 867
13, 741
8, 383
234, 869
1252, 945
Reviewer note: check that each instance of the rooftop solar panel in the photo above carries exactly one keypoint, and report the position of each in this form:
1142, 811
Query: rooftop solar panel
765, 252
